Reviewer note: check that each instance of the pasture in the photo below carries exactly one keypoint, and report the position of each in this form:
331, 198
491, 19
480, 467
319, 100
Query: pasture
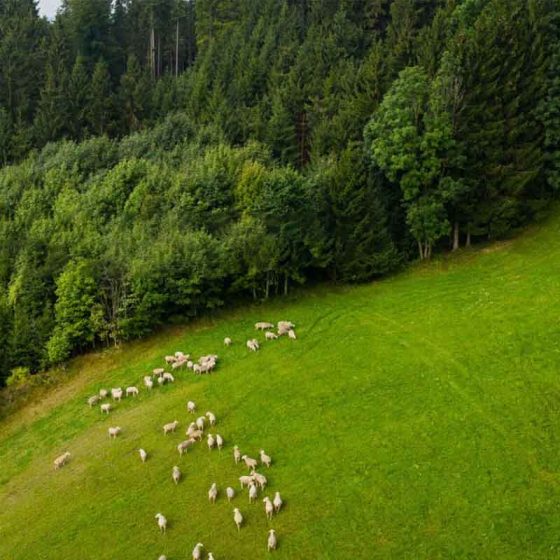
413, 418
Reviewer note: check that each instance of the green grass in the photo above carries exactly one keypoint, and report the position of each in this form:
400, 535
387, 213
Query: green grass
418, 417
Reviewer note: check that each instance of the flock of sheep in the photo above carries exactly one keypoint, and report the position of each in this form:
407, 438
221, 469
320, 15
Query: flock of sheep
254, 482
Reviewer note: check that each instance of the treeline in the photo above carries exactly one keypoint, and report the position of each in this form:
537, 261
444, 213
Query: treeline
281, 141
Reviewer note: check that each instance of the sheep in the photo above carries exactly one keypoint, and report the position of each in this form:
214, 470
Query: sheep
253, 492
114, 431
262, 326
106, 407
251, 463
269, 335
237, 518
61, 460
190, 364
161, 380
168, 377
265, 459
260, 479
211, 556
277, 502
170, 359
93, 400
171, 427
192, 427
230, 493
182, 356
148, 382
272, 540
211, 418
253, 344
197, 369
158, 371
219, 441
103, 393
162, 557
162, 522
143, 455
191, 407
197, 435
227, 341
117, 394
200, 423
268, 507
213, 493
197, 553
131, 391
176, 475
184, 446
236, 454
292, 334
286, 325
245, 481
178, 364
211, 442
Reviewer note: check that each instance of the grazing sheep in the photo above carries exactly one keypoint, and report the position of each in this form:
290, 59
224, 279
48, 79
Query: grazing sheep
170, 359
182, 356
197, 553
190, 364
162, 522
211, 418
162, 557
253, 345
265, 459
168, 377
114, 431
158, 371
184, 446
161, 380
268, 507
176, 475
192, 427
287, 325
197, 435
227, 341
262, 326
219, 441
213, 493
277, 502
260, 479
245, 481
253, 492
237, 518
171, 427
103, 393
117, 394
197, 369
272, 540
93, 400
61, 460
251, 463
131, 391
236, 454
200, 423
191, 407
211, 556
178, 364
210, 441
106, 407
269, 335
148, 381
292, 334
143, 455
230, 493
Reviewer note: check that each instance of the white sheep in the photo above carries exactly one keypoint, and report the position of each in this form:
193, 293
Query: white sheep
200, 423
211, 556
197, 435
197, 552
114, 431
292, 334
176, 475
184, 446
236, 454
265, 459
93, 400
268, 507
230, 493
181, 355
269, 335
191, 407
277, 502
253, 345
253, 492
272, 540
260, 479
168, 377
245, 481
162, 522
171, 427
148, 382
262, 326
103, 393
106, 407
143, 455
211, 418
131, 391
178, 364
161, 380
117, 394
219, 441
237, 518
213, 493
61, 460
170, 359
251, 463
210, 441
162, 557
227, 341
158, 371
197, 369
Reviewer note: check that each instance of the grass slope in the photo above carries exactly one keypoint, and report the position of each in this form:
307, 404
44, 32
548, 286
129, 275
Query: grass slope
416, 417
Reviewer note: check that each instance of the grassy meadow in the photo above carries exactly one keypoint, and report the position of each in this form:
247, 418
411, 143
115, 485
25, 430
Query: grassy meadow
414, 418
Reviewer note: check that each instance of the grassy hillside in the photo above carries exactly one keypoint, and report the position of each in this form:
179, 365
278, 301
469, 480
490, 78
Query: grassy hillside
416, 417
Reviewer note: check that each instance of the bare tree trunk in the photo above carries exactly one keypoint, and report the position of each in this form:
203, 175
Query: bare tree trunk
285, 284
267, 284
420, 249
455, 236
159, 55
468, 242
177, 50
153, 52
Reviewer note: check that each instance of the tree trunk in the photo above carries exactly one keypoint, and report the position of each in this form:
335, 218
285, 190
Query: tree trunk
455, 236
177, 50
468, 242
420, 249
267, 285
285, 284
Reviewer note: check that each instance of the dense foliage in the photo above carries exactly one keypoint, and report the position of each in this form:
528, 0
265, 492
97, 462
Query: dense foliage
162, 157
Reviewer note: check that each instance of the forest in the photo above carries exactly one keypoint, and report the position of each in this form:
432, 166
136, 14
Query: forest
163, 158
